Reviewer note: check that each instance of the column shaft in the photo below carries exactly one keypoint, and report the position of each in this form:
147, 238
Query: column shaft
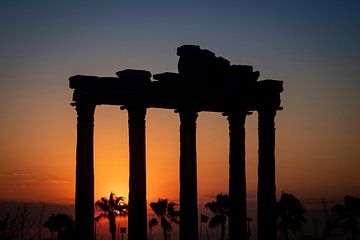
137, 219
237, 177
266, 175
188, 176
84, 195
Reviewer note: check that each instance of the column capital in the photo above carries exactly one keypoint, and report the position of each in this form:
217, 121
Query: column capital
268, 108
266, 118
187, 115
237, 112
136, 111
236, 117
85, 111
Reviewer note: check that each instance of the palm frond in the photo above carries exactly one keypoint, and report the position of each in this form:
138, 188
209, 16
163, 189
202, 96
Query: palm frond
153, 222
165, 224
217, 220
100, 216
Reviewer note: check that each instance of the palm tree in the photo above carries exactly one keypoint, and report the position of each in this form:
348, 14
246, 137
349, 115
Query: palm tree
220, 209
111, 208
347, 216
352, 215
167, 213
61, 224
97, 226
290, 214
153, 222
351, 223
248, 221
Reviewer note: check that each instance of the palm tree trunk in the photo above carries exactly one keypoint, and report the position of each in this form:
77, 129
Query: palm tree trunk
165, 234
353, 234
95, 232
112, 228
222, 231
286, 234
329, 228
41, 221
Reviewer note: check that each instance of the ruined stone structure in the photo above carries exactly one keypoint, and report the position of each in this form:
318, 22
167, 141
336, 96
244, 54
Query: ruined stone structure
204, 83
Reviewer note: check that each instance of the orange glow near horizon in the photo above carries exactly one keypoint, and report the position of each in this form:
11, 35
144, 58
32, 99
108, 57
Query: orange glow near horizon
111, 154
313, 48
53, 179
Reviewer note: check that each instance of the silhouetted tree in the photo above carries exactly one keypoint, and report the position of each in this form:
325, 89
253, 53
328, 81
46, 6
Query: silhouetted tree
248, 221
153, 222
111, 208
17, 226
24, 222
97, 225
347, 216
352, 209
332, 220
220, 209
7, 228
290, 214
203, 219
42, 209
61, 224
167, 213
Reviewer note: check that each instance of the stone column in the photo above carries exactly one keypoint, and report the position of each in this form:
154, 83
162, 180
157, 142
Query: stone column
237, 176
137, 219
188, 175
84, 195
266, 174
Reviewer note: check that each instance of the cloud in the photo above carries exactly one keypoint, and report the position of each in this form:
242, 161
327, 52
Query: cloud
52, 181
20, 174
28, 180
8, 177
56, 181
15, 174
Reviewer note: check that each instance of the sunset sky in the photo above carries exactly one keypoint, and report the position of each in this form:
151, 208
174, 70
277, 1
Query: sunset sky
313, 46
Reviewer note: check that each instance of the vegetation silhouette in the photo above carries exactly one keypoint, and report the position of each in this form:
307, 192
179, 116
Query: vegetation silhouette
290, 215
342, 222
220, 209
122, 232
167, 213
17, 226
248, 228
111, 208
345, 216
62, 225
350, 216
153, 222
203, 219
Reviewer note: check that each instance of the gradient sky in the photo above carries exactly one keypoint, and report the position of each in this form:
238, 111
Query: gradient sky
313, 46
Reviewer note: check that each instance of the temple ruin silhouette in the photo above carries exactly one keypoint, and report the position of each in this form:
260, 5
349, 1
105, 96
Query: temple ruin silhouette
205, 82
